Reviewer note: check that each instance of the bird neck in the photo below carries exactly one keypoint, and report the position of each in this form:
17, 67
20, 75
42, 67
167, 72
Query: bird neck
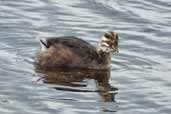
104, 54
105, 58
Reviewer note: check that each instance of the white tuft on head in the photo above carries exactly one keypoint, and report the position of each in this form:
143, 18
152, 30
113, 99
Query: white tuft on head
103, 45
108, 43
104, 38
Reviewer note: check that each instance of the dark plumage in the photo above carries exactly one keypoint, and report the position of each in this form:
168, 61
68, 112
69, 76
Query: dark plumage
73, 52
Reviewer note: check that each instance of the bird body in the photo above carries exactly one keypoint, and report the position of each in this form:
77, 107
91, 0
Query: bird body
73, 52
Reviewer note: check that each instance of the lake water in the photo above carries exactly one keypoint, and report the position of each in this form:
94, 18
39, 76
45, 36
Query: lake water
140, 77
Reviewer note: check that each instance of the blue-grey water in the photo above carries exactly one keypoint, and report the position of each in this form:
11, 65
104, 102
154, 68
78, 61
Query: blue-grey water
140, 74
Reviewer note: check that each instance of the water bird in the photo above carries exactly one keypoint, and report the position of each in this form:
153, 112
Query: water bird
71, 52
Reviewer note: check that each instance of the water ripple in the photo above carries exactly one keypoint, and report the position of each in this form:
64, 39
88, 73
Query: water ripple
139, 81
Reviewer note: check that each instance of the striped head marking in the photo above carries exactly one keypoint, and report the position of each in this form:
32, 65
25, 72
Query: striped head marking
109, 42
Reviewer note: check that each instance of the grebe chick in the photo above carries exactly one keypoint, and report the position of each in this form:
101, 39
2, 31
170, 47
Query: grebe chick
73, 52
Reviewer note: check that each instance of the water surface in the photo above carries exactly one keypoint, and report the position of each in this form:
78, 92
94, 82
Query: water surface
139, 81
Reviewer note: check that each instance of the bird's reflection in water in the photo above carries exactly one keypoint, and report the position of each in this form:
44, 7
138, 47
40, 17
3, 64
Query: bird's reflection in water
75, 78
